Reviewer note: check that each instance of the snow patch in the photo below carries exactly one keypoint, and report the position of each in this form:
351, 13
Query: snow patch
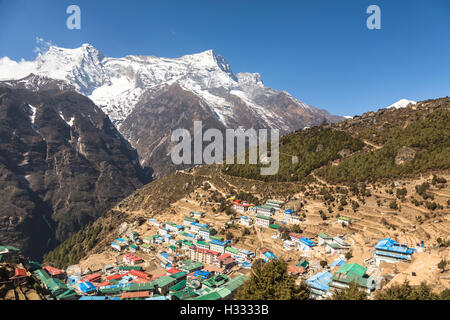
70, 122
403, 103
32, 116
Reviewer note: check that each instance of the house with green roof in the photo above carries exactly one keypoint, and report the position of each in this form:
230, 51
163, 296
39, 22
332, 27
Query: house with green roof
162, 284
43, 277
191, 266
344, 220
186, 244
216, 281
275, 226
136, 287
189, 220
110, 290
323, 238
265, 210
303, 263
68, 294
205, 233
129, 268
212, 296
178, 287
203, 244
179, 276
224, 292
9, 254
184, 294
234, 252
217, 238
146, 247
236, 282
263, 221
352, 273
333, 245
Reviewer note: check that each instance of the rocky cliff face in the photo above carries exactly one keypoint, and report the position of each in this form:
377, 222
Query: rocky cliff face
62, 163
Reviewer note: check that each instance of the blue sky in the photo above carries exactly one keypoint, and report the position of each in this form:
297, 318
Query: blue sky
318, 50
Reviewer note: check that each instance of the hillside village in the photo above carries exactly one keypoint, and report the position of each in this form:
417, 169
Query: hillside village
190, 254
196, 234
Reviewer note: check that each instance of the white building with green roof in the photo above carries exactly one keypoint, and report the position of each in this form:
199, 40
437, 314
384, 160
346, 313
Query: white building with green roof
263, 221
353, 273
265, 210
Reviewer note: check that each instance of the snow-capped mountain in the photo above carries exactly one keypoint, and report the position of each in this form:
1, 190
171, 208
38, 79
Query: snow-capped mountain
117, 84
120, 85
403, 103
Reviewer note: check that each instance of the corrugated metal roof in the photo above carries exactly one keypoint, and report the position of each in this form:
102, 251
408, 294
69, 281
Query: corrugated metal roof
320, 281
394, 246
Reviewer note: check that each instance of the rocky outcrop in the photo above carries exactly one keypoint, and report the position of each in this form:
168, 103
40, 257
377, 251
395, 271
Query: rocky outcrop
405, 154
62, 164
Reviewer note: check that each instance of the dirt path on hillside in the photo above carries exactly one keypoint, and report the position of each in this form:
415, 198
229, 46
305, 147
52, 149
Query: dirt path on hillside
372, 145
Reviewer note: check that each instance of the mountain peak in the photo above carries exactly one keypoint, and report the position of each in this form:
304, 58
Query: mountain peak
403, 103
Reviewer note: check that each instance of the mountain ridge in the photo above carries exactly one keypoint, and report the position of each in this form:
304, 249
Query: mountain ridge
95, 75
127, 88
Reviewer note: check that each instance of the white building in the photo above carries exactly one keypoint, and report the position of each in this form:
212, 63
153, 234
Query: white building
288, 245
266, 211
246, 221
241, 207
263, 221
172, 227
205, 233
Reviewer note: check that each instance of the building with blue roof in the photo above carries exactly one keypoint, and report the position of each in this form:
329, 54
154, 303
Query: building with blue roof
219, 246
319, 284
162, 298
246, 221
87, 287
201, 273
306, 244
93, 298
337, 263
269, 256
389, 250
195, 226
165, 256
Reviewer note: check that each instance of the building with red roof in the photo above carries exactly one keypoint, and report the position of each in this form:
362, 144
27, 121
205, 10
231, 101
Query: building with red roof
115, 277
134, 295
158, 276
226, 260
54, 272
95, 277
242, 206
295, 270
19, 273
203, 255
132, 259
140, 274
172, 271
102, 284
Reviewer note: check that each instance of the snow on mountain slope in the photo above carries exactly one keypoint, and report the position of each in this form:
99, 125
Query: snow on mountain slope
403, 103
118, 84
